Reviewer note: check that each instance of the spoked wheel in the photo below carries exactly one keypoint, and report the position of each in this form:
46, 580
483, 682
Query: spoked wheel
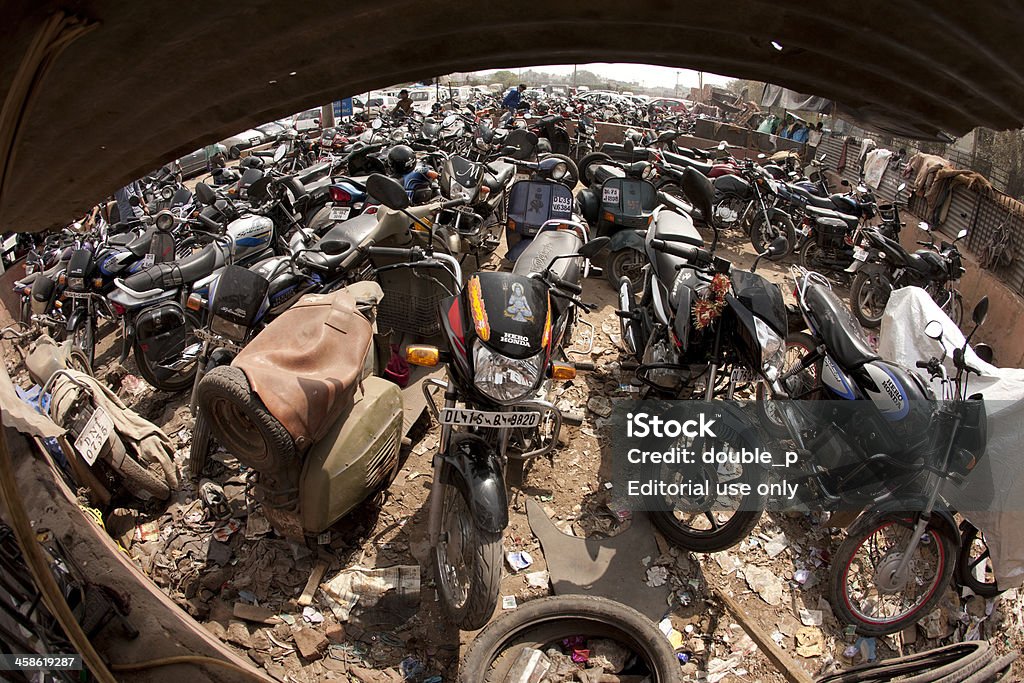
974, 566
200, 448
763, 233
799, 386
868, 297
626, 263
467, 559
708, 522
865, 587
84, 339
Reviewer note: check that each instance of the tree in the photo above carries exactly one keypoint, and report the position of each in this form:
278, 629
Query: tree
505, 77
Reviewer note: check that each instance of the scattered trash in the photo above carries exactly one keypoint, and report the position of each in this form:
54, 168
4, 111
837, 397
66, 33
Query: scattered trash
577, 650
508, 602
133, 386
718, 669
621, 512
518, 560
810, 642
312, 616
868, 648
657, 576
212, 495
324, 538
537, 579
765, 583
776, 545
149, 531
256, 525
801, 576
411, 668
306, 598
608, 655
811, 617
608, 485
255, 613
287, 618
531, 665
225, 531
851, 651
600, 405
375, 596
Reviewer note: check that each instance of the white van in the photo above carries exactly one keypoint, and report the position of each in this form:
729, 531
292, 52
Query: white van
423, 99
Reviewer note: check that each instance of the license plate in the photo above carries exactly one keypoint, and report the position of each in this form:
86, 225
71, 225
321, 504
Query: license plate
147, 261
522, 176
482, 418
29, 268
94, 437
860, 254
340, 213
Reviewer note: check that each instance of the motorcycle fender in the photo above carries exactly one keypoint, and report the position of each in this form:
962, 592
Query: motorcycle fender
628, 239
129, 339
481, 469
76, 317
589, 205
775, 212
941, 517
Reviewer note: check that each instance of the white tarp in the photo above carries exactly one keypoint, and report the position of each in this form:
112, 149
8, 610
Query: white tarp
993, 496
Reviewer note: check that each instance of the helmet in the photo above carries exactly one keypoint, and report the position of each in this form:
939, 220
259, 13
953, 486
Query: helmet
401, 159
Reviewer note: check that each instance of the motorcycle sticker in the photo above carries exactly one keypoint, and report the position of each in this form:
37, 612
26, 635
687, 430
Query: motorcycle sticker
518, 308
610, 195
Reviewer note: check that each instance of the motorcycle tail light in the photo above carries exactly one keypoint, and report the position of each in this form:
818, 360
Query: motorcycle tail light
609, 216
97, 282
62, 279
432, 175
339, 195
26, 290
371, 210
118, 309
476, 307
427, 356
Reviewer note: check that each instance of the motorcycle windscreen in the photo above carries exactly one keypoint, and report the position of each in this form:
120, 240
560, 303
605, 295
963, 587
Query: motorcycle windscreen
532, 203
763, 298
517, 313
631, 201
237, 302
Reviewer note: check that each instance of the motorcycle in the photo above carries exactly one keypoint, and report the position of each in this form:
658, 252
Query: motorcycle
885, 266
483, 185
883, 445
114, 451
504, 339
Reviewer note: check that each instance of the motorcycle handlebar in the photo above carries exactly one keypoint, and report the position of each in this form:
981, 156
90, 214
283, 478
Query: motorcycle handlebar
923, 364
397, 252
452, 203
566, 285
686, 252
209, 222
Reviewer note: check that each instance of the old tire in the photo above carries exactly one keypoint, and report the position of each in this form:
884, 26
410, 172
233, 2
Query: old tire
138, 480
868, 296
936, 554
240, 422
200, 448
586, 162
552, 619
628, 263
966, 564
480, 557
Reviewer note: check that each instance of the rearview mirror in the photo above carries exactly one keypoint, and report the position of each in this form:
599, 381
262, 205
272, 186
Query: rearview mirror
822, 157
206, 194
279, 153
901, 187
387, 191
962, 234
778, 246
933, 330
844, 183
591, 248
449, 120
723, 145
923, 226
980, 311
377, 124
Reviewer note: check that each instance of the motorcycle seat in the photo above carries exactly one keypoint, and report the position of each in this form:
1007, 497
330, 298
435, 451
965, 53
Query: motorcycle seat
680, 160
843, 337
495, 182
603, 172
672, 227
177, 273
354, 231
121, 240
544, 248
813, 200
140, 245
820, 213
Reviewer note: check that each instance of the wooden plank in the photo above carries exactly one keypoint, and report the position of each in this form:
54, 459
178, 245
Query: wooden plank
786, 666
314, 580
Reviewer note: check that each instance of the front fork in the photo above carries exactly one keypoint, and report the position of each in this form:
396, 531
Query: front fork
436, 495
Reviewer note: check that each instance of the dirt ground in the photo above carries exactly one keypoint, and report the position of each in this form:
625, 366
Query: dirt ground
173, 545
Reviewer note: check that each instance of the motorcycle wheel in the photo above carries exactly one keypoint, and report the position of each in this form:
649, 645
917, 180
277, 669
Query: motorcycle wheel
240, 422
590, 160
553, 619
200, 448
83, 338
878, 610
974, 552
700, 528
467, 563
137, 478
954, 307
630, 329
761, 235
180, 381
798, 344
626, 263
868, 296
572, 173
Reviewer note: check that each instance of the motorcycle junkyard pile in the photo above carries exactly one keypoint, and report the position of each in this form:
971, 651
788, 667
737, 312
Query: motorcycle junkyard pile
360, 588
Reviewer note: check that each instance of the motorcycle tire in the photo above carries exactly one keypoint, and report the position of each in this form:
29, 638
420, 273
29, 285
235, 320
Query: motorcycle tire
199, 450
946, 664
943, 563
784, 227
180, 381
138, 480
572, 174
800, 344
586, 162
721, 535
994, 671
966, 564
483, 583
671, 187
954, 307
240, 422
83, 339
548, 620
879, 288
626, 263
78, 361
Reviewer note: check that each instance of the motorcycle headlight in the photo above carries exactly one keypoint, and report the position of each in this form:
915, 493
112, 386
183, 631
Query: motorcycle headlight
167, 193
504, 379
773, 348
559, 170
76, 284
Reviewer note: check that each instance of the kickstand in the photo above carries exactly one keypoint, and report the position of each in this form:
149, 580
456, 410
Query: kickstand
590, 339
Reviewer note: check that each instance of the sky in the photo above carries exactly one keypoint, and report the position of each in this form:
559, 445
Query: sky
648, 75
